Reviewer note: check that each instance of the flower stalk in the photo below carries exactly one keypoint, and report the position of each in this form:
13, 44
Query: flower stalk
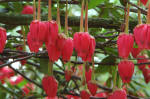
127, 19
66, 19
39, 10
49, 10
81, 18
34, 10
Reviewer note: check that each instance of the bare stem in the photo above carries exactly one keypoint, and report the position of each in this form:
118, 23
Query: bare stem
58, 17
34, 10
66, 19
139, 13
127, 19
86, 17
81, 18
39, 10
49, 10
148, 15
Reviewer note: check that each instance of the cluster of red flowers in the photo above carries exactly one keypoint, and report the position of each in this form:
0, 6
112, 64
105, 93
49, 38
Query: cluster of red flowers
125, 67
5, 73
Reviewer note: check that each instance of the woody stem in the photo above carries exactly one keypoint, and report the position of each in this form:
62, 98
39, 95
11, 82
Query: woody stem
114, 77
86, 17
148, 15
83, 75
49, 10
139, 14
93, 76
81, 18
39, 10
24, 40
50, 68
66, 19
127, 19
58, 17
34, 10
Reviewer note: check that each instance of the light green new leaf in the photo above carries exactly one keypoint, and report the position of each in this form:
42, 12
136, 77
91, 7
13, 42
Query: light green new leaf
94, 3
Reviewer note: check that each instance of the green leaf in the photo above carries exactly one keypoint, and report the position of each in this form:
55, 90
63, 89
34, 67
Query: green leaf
103, 69
94, 3
22, 83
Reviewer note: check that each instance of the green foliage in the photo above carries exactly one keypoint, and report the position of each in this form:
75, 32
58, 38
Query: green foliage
94, 3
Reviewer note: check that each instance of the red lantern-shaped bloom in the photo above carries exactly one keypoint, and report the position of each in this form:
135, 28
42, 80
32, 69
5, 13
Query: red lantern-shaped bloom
142, 59
144, 1
55, 49
52, 33
53, 53
67, 49
142, 36
84, 94
50, 85
88, 75
146, 74
37, 35
3, 37
32, 43
27, 9
126, 70
135, 52
92, 87
118, 94
84, 45
60, 41
125, 44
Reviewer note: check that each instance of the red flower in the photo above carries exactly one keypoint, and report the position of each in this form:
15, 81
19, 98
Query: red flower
68, 74
144, 1
88, 75
52, 33
84, 45
32, 43
126, 70
27, 9
118, 94
53, 53
60, 41
142, 59
146, 74
84, 94
135, 52
28, 88
50, 86
8, 72
17, 81
3, 36
101, 95
125, 44
55, 49
37, 35
67, 49
142, 36
72, 97
92, 87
